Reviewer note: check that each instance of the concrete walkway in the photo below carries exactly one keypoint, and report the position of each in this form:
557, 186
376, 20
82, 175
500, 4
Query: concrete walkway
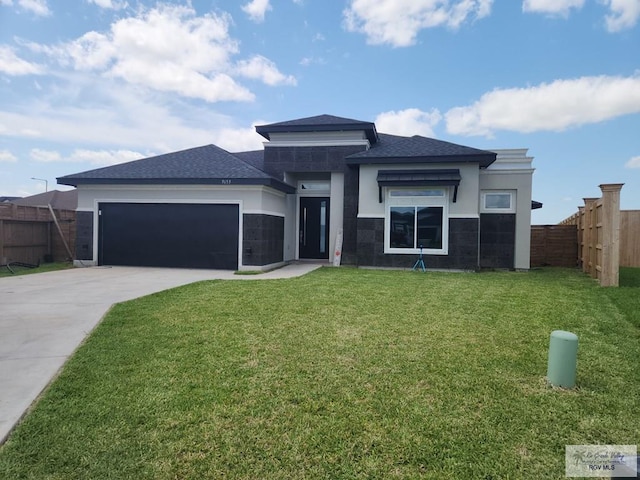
45, 317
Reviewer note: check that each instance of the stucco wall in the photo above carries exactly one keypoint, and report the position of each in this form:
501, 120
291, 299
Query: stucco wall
254, 199
520, 181
466, 205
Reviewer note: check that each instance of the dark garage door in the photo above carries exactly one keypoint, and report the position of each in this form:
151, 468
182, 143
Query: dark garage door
168, 235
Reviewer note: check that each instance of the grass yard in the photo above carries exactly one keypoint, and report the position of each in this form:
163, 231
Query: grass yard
340, 374
44, 267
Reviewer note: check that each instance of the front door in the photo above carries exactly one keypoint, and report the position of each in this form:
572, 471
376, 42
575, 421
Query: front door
314, 227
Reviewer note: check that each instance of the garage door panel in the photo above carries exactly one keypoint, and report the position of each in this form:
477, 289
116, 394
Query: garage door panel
169, 235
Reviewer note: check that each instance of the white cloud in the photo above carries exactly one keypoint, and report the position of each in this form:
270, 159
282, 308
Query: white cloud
170, 49
39, 7
92, 157
125, 118
624, 14
551, 106
551, 7
239, 139
104, 157
256, 9
408, 122
308, 61
261, 68
11, 64
110, 4
398, 22
634, 162
7, 156
45, 156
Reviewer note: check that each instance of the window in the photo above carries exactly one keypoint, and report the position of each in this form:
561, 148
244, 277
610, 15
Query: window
314, 187
416, 193
416, 219
498, 202
415, 227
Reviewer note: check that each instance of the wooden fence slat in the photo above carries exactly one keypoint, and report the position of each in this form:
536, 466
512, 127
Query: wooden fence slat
629, 238
26, 234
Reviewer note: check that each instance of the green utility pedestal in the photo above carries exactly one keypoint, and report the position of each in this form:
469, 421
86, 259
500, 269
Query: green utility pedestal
563, 357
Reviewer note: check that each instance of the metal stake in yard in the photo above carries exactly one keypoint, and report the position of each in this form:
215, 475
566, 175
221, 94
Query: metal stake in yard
420, 262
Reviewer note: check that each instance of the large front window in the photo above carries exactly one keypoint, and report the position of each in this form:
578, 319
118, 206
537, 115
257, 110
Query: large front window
416, 227
415, 220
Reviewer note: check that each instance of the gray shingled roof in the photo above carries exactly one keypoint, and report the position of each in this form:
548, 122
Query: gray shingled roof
319, 123
67, 200
419, 149
201, 165
254, 158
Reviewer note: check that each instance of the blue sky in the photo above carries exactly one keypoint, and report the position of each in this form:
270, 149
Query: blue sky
89, 83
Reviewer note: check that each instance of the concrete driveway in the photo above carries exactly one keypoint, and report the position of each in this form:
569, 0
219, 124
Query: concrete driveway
45, 317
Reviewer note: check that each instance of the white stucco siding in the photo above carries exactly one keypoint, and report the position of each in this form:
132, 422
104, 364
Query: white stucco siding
290, 228
286, 139
336, 212
466, 205
512, 171
253, 199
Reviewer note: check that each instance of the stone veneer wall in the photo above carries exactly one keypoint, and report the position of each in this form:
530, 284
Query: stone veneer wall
497, 240
263, 239
463, 246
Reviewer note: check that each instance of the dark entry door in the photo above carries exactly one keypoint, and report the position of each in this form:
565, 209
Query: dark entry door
314, 227
168, 235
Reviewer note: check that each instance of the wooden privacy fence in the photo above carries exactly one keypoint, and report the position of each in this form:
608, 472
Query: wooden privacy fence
630, 238
554, 245
598, 228
32, 235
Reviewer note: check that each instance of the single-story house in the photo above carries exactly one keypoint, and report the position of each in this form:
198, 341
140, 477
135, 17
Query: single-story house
317, 180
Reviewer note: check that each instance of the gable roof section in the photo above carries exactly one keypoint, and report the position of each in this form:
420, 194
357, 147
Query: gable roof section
209, 165
320, 123
419, 149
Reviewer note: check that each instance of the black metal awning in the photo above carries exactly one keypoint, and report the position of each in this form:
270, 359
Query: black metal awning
419, 178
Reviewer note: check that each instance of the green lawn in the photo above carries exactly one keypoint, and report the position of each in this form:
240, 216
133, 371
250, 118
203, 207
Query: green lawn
44, 267
342, 373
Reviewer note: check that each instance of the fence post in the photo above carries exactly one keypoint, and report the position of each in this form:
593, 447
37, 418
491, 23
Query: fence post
590, 237
580, 227
610, 234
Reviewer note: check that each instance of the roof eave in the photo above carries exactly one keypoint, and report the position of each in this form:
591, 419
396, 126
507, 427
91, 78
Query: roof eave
268, 182
369, 129
483, 160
